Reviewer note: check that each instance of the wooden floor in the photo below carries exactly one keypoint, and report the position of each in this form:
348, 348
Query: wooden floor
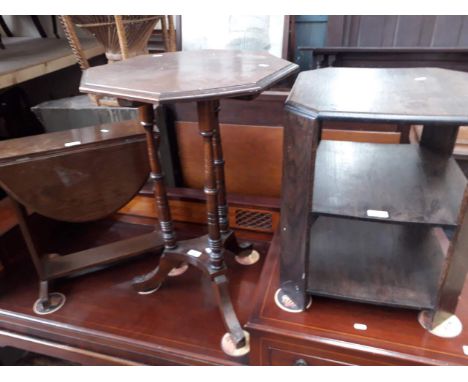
104, 321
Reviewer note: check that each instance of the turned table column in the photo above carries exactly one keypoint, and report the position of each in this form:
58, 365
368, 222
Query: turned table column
206, 114
146, 116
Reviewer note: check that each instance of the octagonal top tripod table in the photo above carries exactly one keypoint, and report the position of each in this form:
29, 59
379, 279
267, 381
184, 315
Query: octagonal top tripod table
204, 77
378, 223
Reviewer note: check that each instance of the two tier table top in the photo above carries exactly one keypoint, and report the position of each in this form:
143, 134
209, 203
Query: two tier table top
187, 76
413, 95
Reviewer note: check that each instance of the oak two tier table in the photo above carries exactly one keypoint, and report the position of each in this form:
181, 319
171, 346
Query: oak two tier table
379, 223
203, 77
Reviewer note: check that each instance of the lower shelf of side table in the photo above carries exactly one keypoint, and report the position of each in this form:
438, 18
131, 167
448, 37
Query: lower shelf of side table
387, 264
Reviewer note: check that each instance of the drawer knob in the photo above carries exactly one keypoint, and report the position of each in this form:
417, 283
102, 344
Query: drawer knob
300, 362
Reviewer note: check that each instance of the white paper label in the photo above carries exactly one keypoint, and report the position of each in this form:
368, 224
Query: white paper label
74, 143
194, 253
360, 326
378, 214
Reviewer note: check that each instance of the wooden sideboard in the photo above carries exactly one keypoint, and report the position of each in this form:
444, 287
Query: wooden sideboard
331, 331
92, 329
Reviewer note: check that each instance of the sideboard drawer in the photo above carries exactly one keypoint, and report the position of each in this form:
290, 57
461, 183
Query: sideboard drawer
278, 357
276, 352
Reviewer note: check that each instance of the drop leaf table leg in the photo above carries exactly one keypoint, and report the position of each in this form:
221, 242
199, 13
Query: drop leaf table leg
47, 302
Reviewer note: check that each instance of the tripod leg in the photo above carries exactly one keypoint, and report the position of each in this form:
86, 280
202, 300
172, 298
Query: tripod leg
152, 281
234, 342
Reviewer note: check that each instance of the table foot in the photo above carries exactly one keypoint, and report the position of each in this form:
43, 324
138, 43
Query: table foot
440, 324
251, 258
229, 347
152, 281
244, 252
221, 288
191, 252
51, 304
286, 303
195, 252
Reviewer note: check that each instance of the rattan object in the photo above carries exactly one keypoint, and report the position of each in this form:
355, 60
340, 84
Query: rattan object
122, 36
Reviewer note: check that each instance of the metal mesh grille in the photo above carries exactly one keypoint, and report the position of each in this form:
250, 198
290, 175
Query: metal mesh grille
254, 219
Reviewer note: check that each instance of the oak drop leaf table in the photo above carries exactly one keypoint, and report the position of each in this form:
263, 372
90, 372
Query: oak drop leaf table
79, 175
204, 77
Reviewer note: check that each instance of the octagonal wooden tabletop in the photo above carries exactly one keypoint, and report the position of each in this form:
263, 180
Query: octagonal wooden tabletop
187, 76
418, 95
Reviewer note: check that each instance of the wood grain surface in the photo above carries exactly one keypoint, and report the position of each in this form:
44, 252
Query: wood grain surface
27, 148
385, 264
253, 156
107, 319
26, 58
415, 95
409, 182
76, 175
187, 76
325, 333
301, 139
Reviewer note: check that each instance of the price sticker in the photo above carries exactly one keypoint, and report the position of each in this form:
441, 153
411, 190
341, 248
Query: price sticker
378, 214
194, 253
